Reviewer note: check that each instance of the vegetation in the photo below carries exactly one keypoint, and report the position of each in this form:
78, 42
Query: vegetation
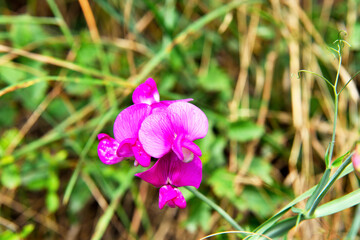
267, 74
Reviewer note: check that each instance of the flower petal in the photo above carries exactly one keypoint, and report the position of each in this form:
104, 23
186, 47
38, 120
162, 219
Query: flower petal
185, 149
156, 175
166, 194
192, 147
158, 106
107, 149
170, 170
129, 120
185, 174
140, 155
146, 93
179, 200
125, 148
156, 134
188, 120
171, 196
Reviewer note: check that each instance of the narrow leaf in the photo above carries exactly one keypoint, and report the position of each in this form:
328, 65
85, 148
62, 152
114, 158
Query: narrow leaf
339, 204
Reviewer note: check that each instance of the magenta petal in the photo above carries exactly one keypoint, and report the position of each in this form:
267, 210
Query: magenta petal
107, 149
171, 196
168, 102
192, 147
156, 134
185, 149
140, 155
179, 200
102, 135
129, 120
158, 173
188, 119
185, 174
166, 194
158, 106
125, 148
177, 148
170, 170
146, 93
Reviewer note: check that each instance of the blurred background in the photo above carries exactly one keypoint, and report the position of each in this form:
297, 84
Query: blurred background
67, 68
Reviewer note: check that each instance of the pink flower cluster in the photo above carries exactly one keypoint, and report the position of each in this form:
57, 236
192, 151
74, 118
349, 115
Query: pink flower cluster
164, 130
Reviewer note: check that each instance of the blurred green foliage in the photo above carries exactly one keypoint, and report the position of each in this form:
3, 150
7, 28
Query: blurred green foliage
204, 65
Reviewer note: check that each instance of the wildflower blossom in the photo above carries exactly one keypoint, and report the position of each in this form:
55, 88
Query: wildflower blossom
107, 149
160, 129
168, 173
174, 129
126, 143
147, 93
126, 131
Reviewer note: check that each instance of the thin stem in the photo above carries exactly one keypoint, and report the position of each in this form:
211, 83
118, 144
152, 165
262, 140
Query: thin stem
216, 208
332, 144
329, 184
318, 75
348, 82
64, 28
336, 103
338, 71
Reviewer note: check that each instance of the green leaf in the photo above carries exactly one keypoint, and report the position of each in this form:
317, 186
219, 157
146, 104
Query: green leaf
271, 221
80, 195
283, 227
296, 210
215, 80
53, 182
355, 36
11, 75
199, 215
5, 140
337, 162
52, 201
244, 131
222, 182
23, 34
27, 230
8, 235
7, 113
10, 176
324, 179
327, 160
266, 32
355, 225
338, 205
261, 168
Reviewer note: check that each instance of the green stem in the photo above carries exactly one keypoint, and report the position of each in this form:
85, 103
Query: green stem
332, 144
338, 71
64, 28
329, 184
336, 102
216, 208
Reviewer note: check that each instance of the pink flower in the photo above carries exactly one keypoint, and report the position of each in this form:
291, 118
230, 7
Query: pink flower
107, 149
147, 93
174, 130
160, 129
356, 158
168, 173
126, 143
171, 196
